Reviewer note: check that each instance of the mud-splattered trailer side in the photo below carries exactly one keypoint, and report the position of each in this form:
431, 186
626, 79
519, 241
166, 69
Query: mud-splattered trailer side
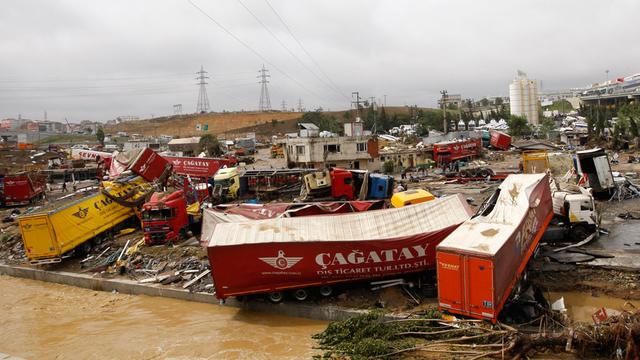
480, 262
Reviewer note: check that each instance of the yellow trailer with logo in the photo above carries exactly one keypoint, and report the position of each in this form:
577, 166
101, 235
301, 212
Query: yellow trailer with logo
50, 232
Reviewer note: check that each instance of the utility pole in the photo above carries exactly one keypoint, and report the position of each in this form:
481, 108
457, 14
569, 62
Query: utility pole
385, 101
373, 107
444, 110
356, 102
265, 101
284, 106
203, 99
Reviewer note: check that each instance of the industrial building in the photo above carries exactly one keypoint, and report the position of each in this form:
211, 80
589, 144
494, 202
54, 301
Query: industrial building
523, 96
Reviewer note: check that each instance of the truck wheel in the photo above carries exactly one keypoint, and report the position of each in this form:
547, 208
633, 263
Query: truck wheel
326, 291
301, 294
578, 233
275, 297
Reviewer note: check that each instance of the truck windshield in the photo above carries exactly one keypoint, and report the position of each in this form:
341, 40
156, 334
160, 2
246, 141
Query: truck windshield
224, 183
162, 214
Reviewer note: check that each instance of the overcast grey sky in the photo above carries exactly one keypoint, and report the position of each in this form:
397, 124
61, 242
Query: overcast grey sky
102, 59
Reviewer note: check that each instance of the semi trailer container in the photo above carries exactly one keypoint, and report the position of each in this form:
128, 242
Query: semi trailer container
314, 252
480, 262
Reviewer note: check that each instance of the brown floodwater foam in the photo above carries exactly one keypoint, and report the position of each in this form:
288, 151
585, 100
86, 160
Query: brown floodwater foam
44, 321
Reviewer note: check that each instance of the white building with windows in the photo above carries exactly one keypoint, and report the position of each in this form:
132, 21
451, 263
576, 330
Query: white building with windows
349, 152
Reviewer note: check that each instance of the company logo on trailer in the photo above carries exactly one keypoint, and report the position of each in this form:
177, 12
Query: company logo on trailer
81, 213
281, 262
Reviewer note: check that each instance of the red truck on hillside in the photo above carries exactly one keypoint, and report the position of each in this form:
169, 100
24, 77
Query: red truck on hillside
20, 189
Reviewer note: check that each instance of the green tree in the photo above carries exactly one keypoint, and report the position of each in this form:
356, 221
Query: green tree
100, 135
323, 121
384, 121
209, 143
499, 101
547, 126
387, 167
518, 125
631, 113
484, 102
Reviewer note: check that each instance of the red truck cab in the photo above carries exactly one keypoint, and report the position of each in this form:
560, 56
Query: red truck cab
165, 218
342, 184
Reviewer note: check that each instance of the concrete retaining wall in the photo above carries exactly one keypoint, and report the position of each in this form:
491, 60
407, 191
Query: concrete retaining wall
304, 310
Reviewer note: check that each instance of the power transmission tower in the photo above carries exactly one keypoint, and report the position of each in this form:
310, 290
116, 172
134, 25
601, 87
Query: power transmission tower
444, 110
265, 102
300, 108
284, 106
177, 109
203, 99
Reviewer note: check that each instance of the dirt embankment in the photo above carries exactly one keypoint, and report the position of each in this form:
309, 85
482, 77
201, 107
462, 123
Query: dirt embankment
219, 124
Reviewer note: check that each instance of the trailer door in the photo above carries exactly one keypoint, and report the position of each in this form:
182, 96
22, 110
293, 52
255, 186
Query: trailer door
38, 236
480, 286
604, 171
450, 281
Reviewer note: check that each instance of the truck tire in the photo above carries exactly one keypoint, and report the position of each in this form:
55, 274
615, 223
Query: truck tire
578, 233
326, 291
275, 297
301, 294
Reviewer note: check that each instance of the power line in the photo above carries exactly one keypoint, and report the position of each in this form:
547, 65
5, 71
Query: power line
255, 52
287, 48
305, 50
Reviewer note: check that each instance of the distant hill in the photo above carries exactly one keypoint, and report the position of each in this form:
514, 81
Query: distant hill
229, 125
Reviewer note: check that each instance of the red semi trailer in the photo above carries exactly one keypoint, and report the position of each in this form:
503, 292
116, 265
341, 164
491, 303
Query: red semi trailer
199, 167
450, 151
499, 140
20, 189
481, 261
302, 253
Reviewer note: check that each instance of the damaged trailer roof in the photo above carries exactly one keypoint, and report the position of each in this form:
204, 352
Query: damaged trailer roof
491, 231
371, 225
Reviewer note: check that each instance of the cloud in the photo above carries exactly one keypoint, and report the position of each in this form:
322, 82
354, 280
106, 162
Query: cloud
101, 59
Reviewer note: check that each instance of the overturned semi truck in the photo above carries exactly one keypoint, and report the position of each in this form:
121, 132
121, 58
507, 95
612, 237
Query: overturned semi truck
312, 253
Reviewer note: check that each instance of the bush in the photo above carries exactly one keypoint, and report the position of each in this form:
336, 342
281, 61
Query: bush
387, 167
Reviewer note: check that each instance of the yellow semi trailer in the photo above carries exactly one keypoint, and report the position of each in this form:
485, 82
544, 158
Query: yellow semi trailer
54, 230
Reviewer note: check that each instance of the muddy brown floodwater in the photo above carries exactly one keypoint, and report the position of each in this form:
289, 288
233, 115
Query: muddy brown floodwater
581, 306
39, 320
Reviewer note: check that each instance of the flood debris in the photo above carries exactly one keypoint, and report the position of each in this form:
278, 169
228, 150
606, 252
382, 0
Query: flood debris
375, 336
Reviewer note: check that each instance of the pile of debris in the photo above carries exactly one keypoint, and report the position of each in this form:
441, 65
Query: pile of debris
184, 265
373, 336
